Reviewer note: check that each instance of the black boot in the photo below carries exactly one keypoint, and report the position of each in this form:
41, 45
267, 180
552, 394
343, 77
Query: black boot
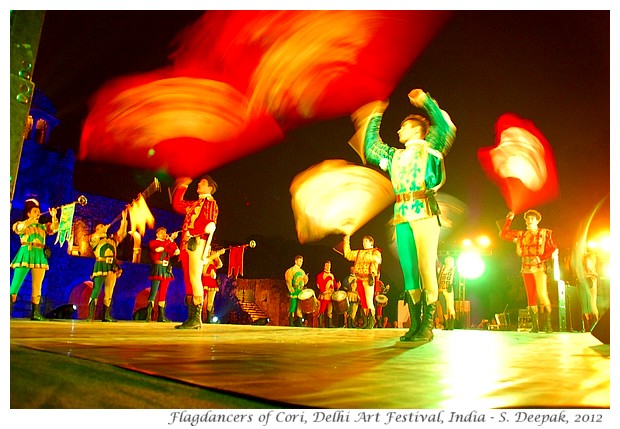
36, 315
425, 333
106, 314
329, 322
161, 314
534, 318
415, 314
450, 324
149, 311
548, 326
587, 326
194, 313
291, 320
321, 323
92, 306
370, 320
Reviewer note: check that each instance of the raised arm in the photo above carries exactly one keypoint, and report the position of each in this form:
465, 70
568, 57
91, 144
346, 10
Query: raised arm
442, 132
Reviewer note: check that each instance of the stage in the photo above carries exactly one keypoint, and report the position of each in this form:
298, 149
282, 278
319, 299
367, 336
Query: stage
245, 366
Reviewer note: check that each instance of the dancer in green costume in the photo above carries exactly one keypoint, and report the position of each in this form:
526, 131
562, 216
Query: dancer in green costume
106, 269
31, 254
416, 173
296, 280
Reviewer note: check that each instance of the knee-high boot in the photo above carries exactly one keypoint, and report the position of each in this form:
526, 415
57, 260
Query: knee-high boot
149, 311
194, 313
92, 306
106, 314
548, 326
370, 320
587, 326
415, 315
425, 333
321, 323
364, 320
36, 315
534, 317
161, 314
450, 324
291, 319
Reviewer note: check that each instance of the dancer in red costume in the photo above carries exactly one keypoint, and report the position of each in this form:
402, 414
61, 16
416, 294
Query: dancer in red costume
197, 232
381, 289
210, 284
534, 245
326, 283
161, 249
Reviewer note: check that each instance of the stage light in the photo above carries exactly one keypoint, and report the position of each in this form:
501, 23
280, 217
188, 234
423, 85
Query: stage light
483, 241
215, 319
66, 311
601, 243
470, 265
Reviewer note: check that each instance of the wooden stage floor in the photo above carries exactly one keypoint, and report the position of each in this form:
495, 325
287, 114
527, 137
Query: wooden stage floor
345, 368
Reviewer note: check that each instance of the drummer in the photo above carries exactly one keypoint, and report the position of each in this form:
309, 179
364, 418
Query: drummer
381, 299
340, 305
446, 289
366, 266
325, 281
350, 286
296, 279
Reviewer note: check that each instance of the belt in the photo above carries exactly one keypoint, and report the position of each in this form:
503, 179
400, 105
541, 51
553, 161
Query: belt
410, 196
35, 245
108, 260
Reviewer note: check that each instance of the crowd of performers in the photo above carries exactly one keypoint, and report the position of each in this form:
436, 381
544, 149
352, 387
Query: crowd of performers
197, 259
416, 173
348, 303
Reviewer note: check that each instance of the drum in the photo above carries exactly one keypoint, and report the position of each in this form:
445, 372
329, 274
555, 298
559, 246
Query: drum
307, 301
381, 300
340, 301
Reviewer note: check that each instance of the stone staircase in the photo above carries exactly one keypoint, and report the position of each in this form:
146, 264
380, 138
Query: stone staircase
254, 312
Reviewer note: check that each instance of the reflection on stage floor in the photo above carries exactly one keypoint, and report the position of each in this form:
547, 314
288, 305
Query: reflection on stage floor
346, 368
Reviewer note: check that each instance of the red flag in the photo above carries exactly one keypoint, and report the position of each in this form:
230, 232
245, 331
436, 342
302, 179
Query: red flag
235, 261
240, 79
521, 163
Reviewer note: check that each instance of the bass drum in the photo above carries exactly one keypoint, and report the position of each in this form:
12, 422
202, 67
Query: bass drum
381, 300
307, 301
340, 301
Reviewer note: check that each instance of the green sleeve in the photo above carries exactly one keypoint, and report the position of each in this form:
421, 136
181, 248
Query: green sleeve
442, 132
374, 148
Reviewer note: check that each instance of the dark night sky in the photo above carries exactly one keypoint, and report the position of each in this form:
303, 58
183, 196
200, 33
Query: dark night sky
552, 67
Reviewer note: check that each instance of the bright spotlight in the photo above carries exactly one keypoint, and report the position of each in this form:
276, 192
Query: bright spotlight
483, 241
467, 243
470, 265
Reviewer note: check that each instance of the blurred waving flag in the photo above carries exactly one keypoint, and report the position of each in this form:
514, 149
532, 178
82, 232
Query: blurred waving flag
337, 197
239, 80
521, 163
